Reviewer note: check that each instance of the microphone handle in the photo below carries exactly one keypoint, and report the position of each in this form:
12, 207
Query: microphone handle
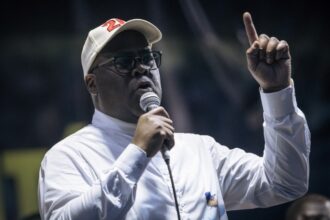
165, 149
165, 152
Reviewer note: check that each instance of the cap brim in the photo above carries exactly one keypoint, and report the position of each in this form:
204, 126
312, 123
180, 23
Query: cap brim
150, 31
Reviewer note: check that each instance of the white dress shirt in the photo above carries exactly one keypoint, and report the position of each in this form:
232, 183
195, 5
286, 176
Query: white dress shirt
97, 173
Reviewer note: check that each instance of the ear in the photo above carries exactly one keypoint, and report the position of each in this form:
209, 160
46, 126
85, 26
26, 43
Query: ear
90, 82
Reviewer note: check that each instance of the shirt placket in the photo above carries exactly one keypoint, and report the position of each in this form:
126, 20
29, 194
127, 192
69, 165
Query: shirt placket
160, 164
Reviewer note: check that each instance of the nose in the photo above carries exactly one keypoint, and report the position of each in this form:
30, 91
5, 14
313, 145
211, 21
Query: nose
140, 69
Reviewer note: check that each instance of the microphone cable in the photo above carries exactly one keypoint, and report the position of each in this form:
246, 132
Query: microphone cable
167, 161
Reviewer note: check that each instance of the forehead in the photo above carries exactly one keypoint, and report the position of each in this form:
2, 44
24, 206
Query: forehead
126, 41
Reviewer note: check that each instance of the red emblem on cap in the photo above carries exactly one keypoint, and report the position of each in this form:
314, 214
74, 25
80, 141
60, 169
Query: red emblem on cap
113, 24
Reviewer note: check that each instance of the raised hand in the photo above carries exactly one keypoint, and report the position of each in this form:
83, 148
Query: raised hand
268, 58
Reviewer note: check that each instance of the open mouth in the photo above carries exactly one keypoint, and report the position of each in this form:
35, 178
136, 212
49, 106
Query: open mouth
144, 86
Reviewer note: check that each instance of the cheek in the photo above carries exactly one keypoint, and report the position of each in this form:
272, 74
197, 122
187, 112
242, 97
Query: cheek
157, 82
110, 86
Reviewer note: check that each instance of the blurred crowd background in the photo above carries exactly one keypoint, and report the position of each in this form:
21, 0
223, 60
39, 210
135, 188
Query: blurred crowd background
207, 87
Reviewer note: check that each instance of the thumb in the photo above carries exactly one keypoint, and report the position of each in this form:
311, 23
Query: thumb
252, 55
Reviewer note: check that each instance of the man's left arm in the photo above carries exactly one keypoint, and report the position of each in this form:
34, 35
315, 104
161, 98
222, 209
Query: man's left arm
287, 144
285, 161
281, 175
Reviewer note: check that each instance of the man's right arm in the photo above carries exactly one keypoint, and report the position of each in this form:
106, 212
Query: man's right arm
67, 189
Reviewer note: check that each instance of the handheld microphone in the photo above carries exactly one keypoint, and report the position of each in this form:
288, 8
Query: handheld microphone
149, 101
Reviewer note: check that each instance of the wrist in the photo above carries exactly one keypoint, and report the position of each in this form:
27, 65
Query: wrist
138, 144
270, 89
273, 89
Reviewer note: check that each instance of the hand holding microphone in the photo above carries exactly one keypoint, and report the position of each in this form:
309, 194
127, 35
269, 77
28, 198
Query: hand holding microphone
154, 129
155, 132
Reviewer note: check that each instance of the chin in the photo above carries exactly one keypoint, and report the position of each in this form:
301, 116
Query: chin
136, 110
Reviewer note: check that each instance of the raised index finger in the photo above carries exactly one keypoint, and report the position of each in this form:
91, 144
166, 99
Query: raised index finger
249, 28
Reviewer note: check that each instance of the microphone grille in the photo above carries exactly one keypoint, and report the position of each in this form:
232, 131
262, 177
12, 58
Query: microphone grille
149, 99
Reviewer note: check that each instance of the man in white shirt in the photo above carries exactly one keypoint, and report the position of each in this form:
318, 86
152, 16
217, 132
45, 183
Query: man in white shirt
113, 168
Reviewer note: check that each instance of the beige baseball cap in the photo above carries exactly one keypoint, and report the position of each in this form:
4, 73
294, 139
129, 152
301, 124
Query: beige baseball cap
100, 36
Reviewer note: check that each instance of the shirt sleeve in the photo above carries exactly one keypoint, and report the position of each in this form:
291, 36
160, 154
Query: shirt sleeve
282, 173
67, 192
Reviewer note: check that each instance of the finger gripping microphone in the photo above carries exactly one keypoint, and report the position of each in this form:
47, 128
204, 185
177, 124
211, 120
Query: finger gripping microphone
149, 101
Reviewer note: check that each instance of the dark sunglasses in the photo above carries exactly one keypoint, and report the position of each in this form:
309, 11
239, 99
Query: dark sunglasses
124, 64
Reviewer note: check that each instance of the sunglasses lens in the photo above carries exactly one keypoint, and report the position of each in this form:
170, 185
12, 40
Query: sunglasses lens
124, 64
148, 60
157, 57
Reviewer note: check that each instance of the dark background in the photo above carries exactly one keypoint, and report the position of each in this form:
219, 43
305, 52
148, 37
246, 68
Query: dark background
207, 88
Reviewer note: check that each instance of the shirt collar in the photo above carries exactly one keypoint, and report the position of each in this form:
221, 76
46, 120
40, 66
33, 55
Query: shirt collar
108, 123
